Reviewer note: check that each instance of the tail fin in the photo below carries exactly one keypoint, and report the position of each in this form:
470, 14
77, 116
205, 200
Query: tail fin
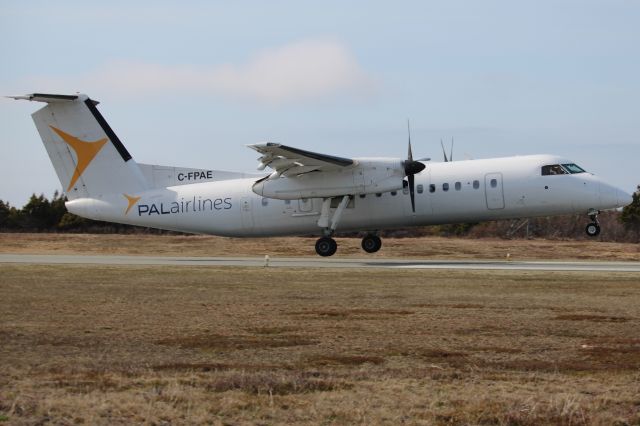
87, 155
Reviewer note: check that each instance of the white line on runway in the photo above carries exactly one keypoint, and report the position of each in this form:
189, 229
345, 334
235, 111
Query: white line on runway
313, 262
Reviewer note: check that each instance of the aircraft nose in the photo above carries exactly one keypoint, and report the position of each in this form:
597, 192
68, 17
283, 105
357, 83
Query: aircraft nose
612, 197
624, 199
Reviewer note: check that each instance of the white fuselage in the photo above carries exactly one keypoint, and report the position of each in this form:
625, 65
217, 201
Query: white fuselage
478, 190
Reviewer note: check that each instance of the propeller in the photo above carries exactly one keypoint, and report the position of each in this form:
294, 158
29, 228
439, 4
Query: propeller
411, 168
444, 153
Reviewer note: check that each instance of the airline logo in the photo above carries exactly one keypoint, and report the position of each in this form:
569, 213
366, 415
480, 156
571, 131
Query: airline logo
132, 202
85, 152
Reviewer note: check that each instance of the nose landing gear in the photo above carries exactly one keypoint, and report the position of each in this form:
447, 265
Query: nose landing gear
593, 229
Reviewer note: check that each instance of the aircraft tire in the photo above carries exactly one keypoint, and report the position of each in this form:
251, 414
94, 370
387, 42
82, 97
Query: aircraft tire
593, 229
326, 246
371, 243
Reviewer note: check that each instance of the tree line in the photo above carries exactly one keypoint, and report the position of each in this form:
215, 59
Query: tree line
43, 215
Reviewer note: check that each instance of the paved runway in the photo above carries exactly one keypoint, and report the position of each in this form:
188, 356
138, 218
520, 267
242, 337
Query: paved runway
317, 262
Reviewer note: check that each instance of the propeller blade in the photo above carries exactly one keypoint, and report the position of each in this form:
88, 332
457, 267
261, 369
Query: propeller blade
410, 153
451, 154
412, 192
443, 151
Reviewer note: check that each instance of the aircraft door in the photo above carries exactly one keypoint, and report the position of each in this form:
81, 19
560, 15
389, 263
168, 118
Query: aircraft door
246, 213
493, 191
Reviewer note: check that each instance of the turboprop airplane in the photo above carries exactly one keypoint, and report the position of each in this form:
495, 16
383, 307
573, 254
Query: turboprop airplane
305, 192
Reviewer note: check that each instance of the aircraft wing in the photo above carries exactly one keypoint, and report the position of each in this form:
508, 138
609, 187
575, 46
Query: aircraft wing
289, 161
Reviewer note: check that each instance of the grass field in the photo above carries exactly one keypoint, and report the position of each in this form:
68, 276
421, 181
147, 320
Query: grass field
120, 345
423, 248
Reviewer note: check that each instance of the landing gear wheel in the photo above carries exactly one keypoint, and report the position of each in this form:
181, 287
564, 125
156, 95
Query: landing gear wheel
326, 246
593, 229
371, 243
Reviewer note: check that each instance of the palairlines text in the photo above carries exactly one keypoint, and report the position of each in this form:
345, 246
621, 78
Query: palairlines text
195, 205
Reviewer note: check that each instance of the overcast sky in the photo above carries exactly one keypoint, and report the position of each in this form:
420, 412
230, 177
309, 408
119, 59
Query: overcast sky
191, 83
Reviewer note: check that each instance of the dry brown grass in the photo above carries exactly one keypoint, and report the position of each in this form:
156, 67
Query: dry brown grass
121, 345
424, 247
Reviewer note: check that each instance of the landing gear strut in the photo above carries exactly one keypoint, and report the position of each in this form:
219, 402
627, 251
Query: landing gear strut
593, 229
326, 246
371, 243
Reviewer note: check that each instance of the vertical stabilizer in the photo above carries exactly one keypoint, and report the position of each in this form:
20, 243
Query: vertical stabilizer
88, 157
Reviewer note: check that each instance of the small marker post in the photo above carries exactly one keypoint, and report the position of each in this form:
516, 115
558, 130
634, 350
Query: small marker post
266, 260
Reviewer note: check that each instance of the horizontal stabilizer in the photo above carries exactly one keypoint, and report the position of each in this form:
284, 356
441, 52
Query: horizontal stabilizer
47, 97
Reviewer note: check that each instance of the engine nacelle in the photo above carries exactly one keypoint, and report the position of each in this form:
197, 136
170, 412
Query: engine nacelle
366, 176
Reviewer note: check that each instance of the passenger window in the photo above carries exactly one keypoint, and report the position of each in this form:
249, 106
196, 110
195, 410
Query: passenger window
405, 190
420, 189
265, 201
378, 194
445, 187
287, 202
494, 183
554, 169
476, 184
394, 193
432, 188
458, 186
363, 195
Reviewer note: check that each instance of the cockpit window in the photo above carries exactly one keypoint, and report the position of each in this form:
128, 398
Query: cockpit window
554, 169
573, 168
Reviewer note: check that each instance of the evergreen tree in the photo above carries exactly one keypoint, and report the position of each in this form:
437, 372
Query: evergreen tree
5, 211
57, 208
37, 213
630, 216
71, 222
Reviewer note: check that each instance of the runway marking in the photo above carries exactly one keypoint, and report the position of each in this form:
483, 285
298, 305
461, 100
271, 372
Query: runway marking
313, 262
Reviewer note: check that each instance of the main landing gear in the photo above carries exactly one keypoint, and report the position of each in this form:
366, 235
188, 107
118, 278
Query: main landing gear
327, 246
371, 243
593, 229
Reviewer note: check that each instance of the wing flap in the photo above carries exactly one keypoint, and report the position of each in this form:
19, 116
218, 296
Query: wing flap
289, 161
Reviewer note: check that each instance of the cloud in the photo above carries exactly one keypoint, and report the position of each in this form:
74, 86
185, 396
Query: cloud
307, 70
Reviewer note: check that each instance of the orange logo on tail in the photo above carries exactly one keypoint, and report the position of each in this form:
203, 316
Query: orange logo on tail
132, 202
85, 151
